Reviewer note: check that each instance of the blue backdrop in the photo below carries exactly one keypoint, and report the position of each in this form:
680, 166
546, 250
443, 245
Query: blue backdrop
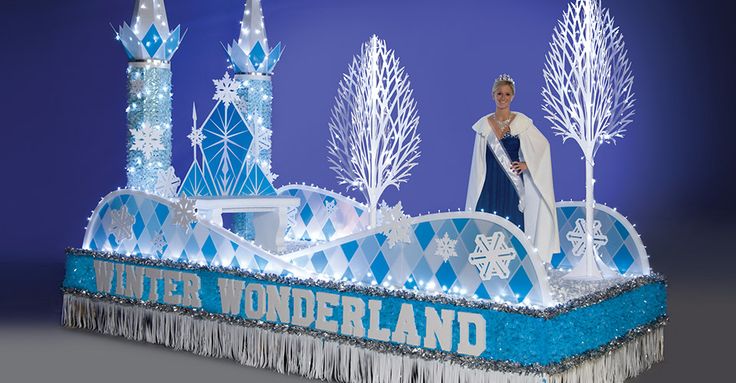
64, 97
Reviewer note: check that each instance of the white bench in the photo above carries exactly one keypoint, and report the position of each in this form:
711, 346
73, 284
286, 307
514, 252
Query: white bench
269, 215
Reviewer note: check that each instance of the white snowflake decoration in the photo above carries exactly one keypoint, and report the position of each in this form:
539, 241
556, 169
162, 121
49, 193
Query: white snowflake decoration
158, 243
330, 207
121, 223
137, 86
184, 212
226, 90
446, 247
577, 237
492, 256
147, 139
263, 139
397, 227
196, 137
167, 183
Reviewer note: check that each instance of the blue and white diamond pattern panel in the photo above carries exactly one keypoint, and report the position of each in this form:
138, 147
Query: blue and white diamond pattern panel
144, 225
419, 264
620, 245
324, 215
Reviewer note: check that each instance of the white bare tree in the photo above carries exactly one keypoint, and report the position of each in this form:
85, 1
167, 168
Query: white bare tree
373, 130
588, 94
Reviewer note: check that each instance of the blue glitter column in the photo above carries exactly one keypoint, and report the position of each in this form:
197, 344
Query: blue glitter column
149, 123
256, 93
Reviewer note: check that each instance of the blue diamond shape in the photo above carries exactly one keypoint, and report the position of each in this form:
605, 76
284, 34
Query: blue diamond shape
349, 249
446, 276
306, 215
379, 267
422, 272
460, 223
381, 238
183, 258
424, 233
152, 41
520, 251
103, 211
328, 230
209, 250
411, 283
621, 230
557, 259
257, 55
359, 211
348, 274
162, 211
482, 293
234, 263
520, 284
262, 263
623, 259
319, 261
568, 211
138, 226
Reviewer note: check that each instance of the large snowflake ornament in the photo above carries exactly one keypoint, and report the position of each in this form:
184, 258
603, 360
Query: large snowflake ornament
492, 256
397, 227
121, 223
196, 137
184, 212
577, 237
226, 90
446, 247
147, 139
167, 183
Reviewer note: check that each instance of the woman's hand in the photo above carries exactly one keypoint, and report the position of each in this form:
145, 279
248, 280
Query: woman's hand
518, 167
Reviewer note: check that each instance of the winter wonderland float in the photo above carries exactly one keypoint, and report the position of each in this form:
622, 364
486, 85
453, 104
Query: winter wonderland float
310, 282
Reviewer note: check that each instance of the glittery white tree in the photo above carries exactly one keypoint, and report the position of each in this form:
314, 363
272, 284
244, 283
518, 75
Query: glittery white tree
588, 95
373, 130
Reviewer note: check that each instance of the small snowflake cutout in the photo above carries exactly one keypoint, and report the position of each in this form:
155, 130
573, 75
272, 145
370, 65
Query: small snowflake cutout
196, 137
577, 237
167, 183
147, 139
226, 90
446, 247
397, 227
158, 243
121, 223
184, 212
330, 206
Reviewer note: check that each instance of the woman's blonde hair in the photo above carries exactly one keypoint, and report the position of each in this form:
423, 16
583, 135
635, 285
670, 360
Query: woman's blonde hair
504, 79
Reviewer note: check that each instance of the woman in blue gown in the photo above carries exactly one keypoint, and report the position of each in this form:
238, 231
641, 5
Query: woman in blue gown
511, 171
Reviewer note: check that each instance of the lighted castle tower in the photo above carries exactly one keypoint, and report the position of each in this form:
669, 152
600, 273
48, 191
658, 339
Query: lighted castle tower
150, 45
253, 62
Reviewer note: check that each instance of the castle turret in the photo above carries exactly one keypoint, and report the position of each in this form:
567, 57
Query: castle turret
253, 63
149, 45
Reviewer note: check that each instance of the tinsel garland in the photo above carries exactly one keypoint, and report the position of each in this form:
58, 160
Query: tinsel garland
379, 291
315, 355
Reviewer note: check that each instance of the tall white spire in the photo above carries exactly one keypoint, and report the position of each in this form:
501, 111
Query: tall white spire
253, 28
147, 13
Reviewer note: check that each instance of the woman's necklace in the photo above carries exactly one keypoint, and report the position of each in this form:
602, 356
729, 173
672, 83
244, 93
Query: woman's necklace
503, 125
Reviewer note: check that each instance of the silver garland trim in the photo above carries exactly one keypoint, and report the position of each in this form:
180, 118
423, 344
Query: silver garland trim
107, 314
378, 291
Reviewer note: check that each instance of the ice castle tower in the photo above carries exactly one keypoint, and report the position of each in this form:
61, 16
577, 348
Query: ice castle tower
149, 45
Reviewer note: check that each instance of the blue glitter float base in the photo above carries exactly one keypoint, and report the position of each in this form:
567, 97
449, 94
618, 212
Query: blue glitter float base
628, 322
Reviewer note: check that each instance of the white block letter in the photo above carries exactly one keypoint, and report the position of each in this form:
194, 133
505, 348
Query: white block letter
325, 304
277, 302
406, 327
374, 326
169, 287
439, 329
231, 294
191, 290
103, 276
464, 346
303, 316
255, 311
154, 275
353, 310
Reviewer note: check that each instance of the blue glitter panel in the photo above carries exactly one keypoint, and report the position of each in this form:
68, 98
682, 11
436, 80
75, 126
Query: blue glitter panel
509, 336
149, 103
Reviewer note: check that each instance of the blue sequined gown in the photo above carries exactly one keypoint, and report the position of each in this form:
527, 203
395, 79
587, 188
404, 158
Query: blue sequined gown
499, 194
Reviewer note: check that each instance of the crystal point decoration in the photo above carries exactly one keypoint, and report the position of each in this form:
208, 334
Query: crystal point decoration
148, 36
251, 52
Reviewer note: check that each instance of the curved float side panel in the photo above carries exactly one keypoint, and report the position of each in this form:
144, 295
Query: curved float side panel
146, 226
465, 253
323, 215
619, 245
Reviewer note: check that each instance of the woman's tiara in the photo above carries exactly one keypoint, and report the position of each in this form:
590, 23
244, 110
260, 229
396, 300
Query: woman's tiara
506, 77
